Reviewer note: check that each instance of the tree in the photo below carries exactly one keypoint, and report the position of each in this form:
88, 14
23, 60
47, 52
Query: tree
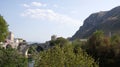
3, 29
64, 57
100, 48
59, 41
32, 49
11, 58
78, 43
115, 40
96, 39
95, 42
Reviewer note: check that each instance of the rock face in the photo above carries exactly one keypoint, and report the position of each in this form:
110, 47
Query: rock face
108, 21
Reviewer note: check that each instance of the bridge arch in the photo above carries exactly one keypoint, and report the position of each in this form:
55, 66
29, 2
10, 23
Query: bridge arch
26, 52
24, 48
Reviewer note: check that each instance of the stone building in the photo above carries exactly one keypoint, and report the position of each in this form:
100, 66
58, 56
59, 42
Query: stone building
11, 41
53, 37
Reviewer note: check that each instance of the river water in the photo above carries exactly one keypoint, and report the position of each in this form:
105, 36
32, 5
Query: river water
31, 63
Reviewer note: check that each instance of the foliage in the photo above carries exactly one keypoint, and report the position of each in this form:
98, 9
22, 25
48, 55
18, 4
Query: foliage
104, 49
80, 44
64, 57
115, 39
96, 39
32, 49
94, 42
3, 29
10, 58
59, 41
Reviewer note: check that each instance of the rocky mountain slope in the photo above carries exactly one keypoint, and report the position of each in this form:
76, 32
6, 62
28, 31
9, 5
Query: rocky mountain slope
108, 21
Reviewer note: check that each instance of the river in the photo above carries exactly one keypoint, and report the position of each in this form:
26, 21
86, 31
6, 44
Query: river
31, 63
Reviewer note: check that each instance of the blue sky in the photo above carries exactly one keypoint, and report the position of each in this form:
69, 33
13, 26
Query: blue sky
37, 20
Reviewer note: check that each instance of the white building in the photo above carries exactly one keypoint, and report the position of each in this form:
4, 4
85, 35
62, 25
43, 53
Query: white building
10, 40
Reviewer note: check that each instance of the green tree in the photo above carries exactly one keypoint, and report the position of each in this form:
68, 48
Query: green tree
104, 49
59, 41
3, 29
11, 58
78, 43
96, 39
95, 42
64, 57
32, 49
115, 40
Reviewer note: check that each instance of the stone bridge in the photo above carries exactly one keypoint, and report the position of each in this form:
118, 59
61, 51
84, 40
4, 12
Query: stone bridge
25, 47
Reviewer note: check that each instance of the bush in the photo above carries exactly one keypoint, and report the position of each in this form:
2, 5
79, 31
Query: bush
64, 57
10, 58
104, 49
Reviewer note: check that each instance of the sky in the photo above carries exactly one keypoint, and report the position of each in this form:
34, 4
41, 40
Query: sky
38, 20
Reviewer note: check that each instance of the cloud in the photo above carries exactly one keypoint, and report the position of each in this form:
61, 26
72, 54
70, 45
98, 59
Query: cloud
25, 5
56, 6
38, 4
47, 14
35, 4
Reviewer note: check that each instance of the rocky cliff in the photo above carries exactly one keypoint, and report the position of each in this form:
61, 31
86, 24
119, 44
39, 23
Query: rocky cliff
108, 21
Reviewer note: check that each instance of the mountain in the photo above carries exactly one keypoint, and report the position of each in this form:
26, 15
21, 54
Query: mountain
107, 21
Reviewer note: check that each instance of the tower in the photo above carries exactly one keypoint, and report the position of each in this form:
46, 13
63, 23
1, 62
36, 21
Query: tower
10, 37
53, 37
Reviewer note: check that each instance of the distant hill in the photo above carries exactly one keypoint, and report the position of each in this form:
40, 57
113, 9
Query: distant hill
108, 21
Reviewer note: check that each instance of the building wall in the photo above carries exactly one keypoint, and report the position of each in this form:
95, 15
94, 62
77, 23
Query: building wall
10, 37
